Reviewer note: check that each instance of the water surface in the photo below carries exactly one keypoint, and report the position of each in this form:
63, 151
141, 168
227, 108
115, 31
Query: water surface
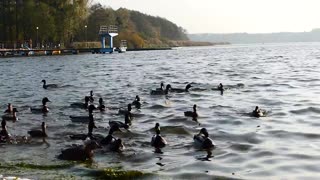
280, 78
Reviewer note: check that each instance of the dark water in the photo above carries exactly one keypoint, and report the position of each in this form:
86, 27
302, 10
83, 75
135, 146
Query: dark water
282, 79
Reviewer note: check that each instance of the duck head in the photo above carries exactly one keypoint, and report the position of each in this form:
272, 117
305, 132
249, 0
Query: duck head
43, 81
195, 108
188, 87
161, 85
157, 128
45, 100
137, 98
256, 109
204, 132
100, 101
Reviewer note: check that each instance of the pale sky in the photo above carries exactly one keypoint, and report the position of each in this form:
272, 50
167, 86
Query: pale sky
229, 16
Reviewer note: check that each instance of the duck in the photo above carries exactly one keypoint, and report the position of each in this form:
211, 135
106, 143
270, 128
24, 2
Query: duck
111, 142
193, 113
220, 87
4, 135
9, 109
81, 105
101, 106
12, 116
119, 124
157, 141
202, 140
91, 96
79, 153
257, 112
161, 87
39, 133
177, 90
161, 92
46, 86
43, 109
137, 102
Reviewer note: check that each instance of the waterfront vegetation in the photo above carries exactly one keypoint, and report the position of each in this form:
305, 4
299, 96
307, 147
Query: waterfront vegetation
65, 22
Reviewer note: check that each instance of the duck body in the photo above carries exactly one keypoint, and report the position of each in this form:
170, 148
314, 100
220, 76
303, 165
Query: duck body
10, 117
75, 154
119, 124
47, 86
202, 140
177, 90
39, 133
158, 142
38, 110
258, 112
161, 91
79, 153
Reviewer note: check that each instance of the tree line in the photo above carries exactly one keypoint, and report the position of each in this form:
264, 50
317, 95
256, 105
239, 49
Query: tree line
63, 22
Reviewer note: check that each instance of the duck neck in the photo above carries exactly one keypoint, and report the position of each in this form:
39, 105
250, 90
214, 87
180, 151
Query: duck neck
127, 119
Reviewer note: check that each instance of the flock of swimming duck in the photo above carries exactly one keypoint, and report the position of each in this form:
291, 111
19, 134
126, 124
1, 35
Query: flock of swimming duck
93, 141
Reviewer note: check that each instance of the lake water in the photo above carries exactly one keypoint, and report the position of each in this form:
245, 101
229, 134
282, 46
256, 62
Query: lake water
282, 79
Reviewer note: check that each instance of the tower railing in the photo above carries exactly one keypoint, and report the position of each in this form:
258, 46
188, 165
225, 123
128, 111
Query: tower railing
108, 29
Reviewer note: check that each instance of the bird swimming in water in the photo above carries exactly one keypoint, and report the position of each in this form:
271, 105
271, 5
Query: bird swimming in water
81, 105
9, 109
193, 113
111, 142
157, 141
202, 140
137, 102
12, 116
79, 153
101, 106
220, 87
43, 109
46, 86
258, 112
161, 92
39, 133
177, 90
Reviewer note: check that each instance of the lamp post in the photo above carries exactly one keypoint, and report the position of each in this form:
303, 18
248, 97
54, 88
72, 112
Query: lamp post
37, 36
86, 35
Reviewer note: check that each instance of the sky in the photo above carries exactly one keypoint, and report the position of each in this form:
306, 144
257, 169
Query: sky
230, 16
